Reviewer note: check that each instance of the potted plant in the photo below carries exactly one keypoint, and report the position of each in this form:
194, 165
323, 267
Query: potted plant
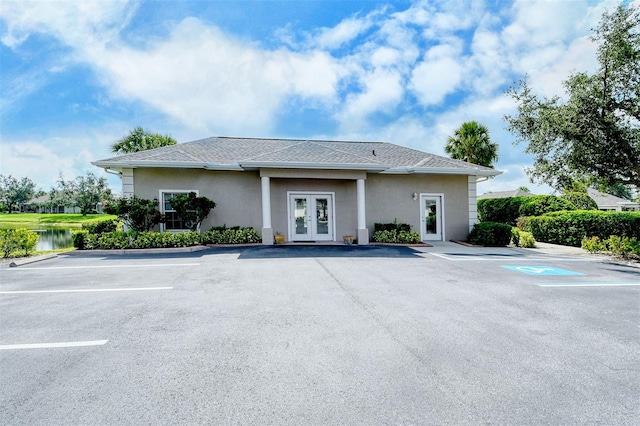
348, 239
280, 238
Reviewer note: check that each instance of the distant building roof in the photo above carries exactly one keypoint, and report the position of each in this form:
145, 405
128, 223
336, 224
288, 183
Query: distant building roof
506, 194
611, 202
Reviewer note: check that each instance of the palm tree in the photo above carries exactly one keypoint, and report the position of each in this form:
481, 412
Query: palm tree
471, 143
140, 140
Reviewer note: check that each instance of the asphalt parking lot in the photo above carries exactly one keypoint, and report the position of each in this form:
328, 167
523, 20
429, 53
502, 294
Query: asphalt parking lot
321, 335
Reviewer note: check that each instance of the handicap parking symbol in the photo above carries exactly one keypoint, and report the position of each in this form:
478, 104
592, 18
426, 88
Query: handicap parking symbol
541, 270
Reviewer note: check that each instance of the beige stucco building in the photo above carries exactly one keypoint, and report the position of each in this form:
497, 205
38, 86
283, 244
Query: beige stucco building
309, 190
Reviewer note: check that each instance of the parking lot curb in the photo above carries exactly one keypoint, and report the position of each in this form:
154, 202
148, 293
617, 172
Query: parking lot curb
32, 259
138, 251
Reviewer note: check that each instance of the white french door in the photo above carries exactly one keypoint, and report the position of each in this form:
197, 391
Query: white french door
431, 217
311, 217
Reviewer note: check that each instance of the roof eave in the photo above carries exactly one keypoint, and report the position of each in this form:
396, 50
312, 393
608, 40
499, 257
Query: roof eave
166, 164
441, 171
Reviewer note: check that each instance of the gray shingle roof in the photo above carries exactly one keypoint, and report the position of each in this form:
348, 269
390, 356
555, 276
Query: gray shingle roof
506, 194
218, 152
604, 200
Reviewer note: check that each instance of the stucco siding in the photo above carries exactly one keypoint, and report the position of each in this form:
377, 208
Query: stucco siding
390, 197
237, 194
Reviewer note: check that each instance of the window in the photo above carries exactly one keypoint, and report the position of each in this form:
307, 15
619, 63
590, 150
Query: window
172, 221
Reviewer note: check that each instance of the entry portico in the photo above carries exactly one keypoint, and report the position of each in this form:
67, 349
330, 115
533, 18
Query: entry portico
310, 190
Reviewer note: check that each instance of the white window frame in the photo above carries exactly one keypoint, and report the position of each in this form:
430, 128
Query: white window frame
161, 192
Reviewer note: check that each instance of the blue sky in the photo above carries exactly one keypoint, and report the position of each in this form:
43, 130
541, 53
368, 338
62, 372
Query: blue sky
78, 75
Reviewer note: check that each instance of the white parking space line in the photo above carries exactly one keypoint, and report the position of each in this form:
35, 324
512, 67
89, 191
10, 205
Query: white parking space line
588, 284
54, 345
86, 290
156, 265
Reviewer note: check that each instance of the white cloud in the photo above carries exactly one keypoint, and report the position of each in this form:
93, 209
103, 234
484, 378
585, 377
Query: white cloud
211, 81
438, 75
344, 32
382, 91
43, 161
75, 23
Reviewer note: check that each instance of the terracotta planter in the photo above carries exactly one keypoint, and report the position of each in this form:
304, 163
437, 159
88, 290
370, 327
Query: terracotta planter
348, 239
279, 238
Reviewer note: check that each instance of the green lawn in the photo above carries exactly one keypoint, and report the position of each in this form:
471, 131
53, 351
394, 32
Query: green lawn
49, 220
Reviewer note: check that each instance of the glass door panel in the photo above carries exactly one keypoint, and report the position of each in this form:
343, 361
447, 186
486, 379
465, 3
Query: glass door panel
301, 224
322, 216
311, 217
431, 217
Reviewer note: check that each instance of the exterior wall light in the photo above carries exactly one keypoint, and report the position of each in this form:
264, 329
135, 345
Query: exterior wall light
414, 196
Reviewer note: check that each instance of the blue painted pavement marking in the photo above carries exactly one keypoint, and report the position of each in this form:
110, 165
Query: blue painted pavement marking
541, 270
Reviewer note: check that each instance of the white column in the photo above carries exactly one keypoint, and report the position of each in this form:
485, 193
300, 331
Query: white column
363, 232
473, 201
127, 183
267, 230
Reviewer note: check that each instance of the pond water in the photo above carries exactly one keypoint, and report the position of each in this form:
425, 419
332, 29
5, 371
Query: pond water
53, 239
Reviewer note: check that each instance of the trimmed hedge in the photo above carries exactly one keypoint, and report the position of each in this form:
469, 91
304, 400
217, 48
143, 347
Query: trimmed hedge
508, 210
233, 235
395, 226
396, 237
570, 227
102, 226
490, 234
83, 240
136, 240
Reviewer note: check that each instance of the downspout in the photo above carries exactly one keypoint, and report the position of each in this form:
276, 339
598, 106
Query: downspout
113, 172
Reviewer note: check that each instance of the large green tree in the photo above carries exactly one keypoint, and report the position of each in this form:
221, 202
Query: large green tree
83, 192
14, 191
472, 143
594, 131
139, 139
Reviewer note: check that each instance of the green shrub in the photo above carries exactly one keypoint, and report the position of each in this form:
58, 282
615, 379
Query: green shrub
141, 240
619, 246
542, 204
138, 214
569, 228
508, 210
581, 200
521, 238
395, 226
192, 209
20, 241
502, 210
8, 242
233, 235
490, 234
27, 240
101, 227
79, 238
394, 236
593, 244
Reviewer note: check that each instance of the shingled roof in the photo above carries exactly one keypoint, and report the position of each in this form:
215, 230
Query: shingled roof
232, 153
